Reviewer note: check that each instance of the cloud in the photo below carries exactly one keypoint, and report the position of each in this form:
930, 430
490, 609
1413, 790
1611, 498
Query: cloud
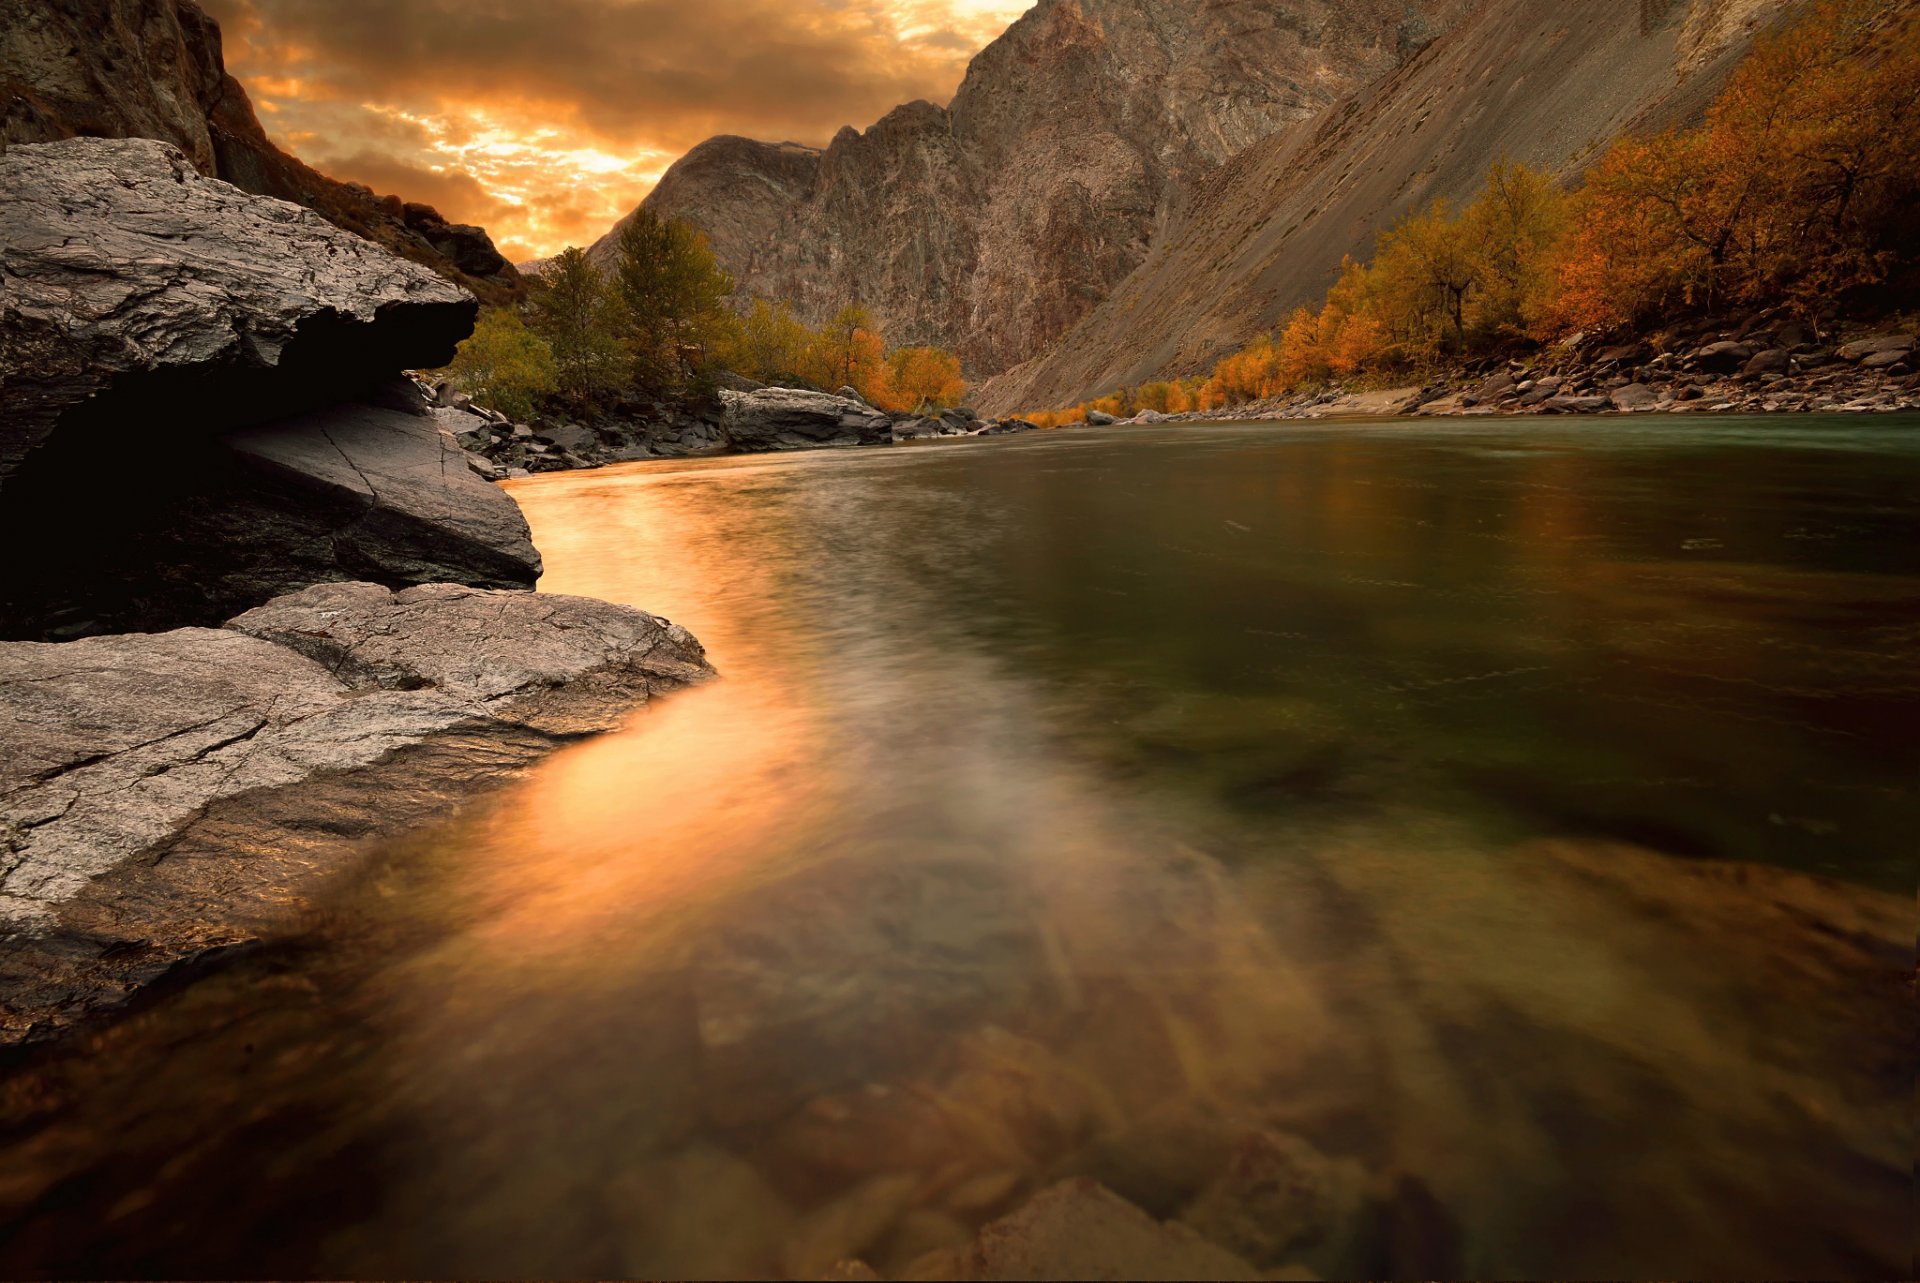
546, 122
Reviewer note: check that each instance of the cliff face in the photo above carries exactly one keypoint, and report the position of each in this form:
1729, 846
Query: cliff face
153, 69
992, 225
1549, 82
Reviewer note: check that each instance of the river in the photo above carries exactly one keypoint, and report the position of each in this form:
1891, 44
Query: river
1399, 850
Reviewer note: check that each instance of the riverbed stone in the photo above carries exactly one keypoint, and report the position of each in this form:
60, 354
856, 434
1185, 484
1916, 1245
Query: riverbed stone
237, 751
1633, 397
1078, 1229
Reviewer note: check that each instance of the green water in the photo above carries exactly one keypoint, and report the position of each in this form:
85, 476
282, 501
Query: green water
1398, 850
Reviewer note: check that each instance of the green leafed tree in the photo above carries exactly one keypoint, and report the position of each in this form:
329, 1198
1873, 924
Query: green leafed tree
576, 311
504, 365
673, 301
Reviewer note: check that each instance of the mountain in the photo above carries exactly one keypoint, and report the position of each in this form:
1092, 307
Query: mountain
1548, 82
154, 69
1123, 189
993, 224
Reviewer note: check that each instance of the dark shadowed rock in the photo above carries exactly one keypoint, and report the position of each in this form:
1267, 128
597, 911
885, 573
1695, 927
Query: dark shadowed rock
133, 285
1100, 418
795, 419
1772, 361
251, 755
210, 527
416, 513
180, 361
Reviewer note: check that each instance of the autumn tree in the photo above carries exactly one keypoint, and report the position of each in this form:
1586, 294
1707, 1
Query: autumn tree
577, 314
673, 296
772, 344
923, 378
849, 350
1799, 184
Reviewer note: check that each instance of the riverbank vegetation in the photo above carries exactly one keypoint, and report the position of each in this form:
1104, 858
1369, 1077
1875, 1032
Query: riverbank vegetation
1797, 189
660, 324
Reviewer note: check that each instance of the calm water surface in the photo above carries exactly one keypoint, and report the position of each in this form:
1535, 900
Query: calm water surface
1397, 850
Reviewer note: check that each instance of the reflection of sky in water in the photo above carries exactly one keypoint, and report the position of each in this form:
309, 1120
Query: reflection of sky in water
1209, 811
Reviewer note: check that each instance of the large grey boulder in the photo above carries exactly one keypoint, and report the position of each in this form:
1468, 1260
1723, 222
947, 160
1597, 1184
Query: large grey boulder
251, 755
796, 419
131, 284
210, 377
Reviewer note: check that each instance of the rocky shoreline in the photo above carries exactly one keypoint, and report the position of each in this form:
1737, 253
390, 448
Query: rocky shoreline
1767, 366
267, 612
746, 418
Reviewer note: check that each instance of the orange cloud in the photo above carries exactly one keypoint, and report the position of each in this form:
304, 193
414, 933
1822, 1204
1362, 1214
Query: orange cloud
547, 122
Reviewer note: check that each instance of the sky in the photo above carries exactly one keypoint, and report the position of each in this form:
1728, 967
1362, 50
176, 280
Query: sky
546, 120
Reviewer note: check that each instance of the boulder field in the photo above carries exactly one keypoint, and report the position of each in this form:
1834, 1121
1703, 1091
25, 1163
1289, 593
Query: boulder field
259, 606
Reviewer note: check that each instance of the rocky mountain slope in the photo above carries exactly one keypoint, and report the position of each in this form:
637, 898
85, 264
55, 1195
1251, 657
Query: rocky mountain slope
153, 69
1123, 190
1546, 83
991, 225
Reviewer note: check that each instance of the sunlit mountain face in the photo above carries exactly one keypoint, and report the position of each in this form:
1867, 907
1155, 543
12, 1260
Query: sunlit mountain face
545, 123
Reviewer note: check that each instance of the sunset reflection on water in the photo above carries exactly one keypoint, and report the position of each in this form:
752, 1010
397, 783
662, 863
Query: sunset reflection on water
1389, 852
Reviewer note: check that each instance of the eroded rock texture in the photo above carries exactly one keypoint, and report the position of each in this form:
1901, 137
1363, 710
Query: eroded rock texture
154, 69
250, 755
202, 403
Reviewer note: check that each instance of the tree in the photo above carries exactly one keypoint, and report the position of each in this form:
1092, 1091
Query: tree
1798, 185
924, 378
850, 347
1514, 228
673, 294
578, 315
503, 365
773, 344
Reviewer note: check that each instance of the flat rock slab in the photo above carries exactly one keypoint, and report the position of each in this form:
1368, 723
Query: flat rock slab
422, 513
123, 756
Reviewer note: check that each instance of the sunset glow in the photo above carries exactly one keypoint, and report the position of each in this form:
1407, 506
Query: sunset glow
547, 123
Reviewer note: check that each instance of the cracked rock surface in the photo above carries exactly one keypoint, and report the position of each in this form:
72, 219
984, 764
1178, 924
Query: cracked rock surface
161, 793
121, 264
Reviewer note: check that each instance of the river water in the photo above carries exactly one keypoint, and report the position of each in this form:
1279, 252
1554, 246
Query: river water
1396, 850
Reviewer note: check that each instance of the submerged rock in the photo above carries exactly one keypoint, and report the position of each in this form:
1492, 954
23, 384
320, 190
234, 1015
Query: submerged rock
1080, 1230
249, 754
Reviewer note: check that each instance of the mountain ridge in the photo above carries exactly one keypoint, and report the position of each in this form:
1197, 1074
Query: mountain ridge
1067, 223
